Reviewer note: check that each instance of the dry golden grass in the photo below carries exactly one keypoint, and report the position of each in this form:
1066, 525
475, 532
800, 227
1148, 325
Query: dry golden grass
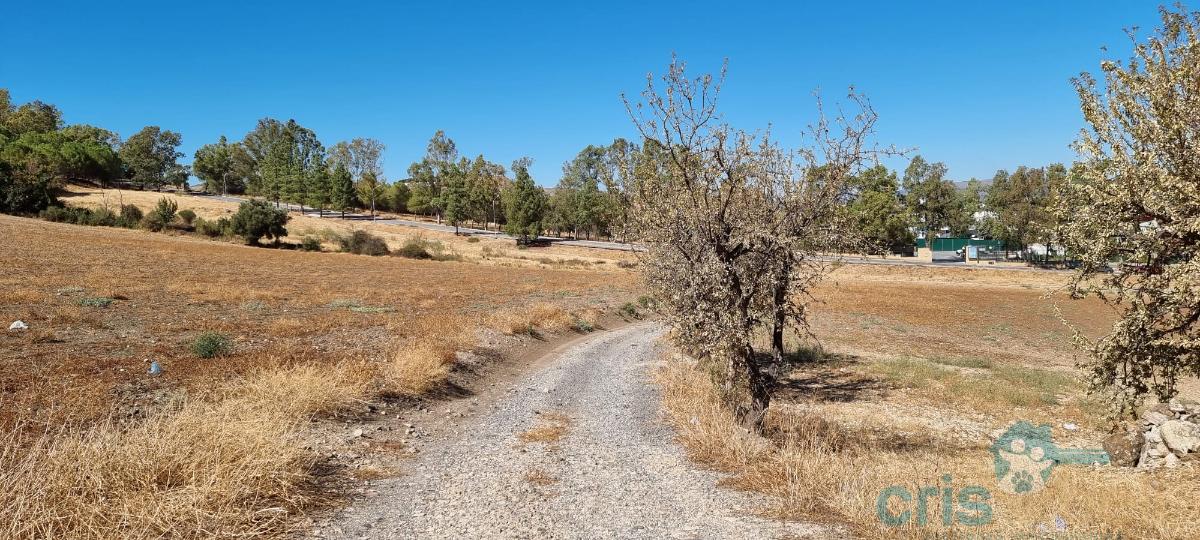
528, 320
487, 251
423, 362
267, 300
224, 466
551, 428
95, 448
816, 468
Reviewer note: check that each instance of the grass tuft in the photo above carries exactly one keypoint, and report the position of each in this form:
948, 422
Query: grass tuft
211, 345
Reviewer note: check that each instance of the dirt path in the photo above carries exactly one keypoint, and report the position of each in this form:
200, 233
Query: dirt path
576, 450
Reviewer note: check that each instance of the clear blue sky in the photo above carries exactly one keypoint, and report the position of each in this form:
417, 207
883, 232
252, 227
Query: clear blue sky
979, 87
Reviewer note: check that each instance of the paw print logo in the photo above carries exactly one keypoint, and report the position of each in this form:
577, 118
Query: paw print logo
1025, 456
1022, 482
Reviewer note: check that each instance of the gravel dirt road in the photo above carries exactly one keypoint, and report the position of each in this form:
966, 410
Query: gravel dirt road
575, 450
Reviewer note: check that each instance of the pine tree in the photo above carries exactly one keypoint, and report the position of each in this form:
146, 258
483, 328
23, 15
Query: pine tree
320, 187
342, 189
525, 204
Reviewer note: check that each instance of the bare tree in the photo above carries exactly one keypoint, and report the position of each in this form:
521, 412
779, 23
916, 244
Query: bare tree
737, 229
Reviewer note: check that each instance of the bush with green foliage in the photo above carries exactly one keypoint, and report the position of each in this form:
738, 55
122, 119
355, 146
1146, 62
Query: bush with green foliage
214, 229
131, 216
186, 217
414, 248
153, 222
24, 194
211, 345
165, 210
310, 243
364, 243
257, 219
630, 310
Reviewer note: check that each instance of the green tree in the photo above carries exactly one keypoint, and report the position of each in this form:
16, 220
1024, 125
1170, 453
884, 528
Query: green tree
399, 196
341, 196
32, 117
257, 219
877, 212
433, 171
370, 190
214, 165
933, 200
524, 204
457, 201
319, 185
150, 156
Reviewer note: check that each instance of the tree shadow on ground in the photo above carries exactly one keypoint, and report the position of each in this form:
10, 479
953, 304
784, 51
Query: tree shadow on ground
814, 375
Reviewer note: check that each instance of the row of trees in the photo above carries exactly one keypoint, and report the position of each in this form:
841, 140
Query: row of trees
1015, 208
38, 153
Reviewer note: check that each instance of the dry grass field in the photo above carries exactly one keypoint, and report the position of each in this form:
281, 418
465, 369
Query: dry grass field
918, 370
488, 251
97, 447
913, 372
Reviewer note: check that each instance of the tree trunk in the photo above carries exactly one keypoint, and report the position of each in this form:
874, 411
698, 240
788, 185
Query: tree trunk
782, 283
754, 412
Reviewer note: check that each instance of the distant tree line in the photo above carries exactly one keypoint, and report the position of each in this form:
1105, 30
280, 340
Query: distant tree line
1015, 208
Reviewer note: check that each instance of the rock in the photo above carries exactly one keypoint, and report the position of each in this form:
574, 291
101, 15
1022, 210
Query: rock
356, 433
1171, 462
1176, 406
1154, 436
1191, 405
1181, 437
1070, 427
1124, 448
17, 326
1155, 418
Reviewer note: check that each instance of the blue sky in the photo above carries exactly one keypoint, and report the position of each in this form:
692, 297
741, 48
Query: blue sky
979, 87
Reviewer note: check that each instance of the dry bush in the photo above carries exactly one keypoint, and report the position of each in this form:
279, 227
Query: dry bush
423, 362
538, 316
230, 466
307, 389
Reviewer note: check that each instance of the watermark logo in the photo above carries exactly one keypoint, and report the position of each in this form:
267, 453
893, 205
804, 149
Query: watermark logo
1025, 455
969, 506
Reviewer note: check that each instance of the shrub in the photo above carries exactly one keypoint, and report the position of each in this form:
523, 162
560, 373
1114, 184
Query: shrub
629, 310
59, 214
473, 240
186, 217
153, 222
99, 301
24, 194
310, 243
131, 216
414, 248
364, 243
165, 211
220, 227
211, 345
417, 247
102, 217
256, 219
